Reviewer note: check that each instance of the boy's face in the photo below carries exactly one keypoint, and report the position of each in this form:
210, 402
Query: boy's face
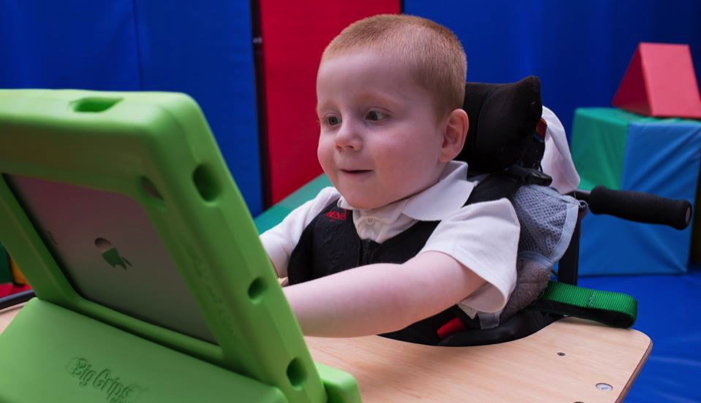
380, 140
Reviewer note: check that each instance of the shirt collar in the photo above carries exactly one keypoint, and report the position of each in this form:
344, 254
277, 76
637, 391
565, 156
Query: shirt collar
433, 204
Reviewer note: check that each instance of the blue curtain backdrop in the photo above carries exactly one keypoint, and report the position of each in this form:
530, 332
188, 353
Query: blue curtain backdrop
201, 48
579, 49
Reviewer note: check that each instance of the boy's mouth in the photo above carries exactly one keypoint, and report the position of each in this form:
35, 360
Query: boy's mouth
355, 171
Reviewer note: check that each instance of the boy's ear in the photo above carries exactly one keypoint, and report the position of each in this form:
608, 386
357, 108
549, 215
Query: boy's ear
454, 134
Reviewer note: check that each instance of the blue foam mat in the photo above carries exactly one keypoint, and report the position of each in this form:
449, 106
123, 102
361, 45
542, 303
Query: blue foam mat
662, 158
611, 246
667, 313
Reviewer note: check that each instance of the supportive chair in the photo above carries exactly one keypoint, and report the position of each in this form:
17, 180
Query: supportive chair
504, 149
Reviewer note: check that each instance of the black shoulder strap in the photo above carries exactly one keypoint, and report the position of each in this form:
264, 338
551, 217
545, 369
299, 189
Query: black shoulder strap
493, 187
505, 183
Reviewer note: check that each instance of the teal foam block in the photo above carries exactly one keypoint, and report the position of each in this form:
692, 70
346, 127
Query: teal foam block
599, 137
5, 276
663, 158
278, 212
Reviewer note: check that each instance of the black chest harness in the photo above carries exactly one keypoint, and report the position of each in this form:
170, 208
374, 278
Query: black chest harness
330, 244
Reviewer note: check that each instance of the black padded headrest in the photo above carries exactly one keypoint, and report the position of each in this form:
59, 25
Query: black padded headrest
503, 121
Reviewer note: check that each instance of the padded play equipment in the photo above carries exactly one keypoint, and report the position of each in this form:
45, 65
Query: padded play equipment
204, 51
660, 81
294, 34
621, 150
142, 171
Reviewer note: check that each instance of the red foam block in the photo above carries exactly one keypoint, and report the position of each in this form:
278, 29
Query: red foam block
660, 82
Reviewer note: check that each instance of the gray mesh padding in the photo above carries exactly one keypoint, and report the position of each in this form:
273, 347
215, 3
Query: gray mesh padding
547, 221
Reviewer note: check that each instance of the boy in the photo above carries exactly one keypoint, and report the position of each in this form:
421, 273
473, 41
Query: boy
389, 95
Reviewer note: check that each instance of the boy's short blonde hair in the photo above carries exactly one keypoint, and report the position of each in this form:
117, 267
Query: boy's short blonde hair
432, 51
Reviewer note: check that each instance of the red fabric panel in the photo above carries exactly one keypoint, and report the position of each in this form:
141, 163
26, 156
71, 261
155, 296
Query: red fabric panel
294, 35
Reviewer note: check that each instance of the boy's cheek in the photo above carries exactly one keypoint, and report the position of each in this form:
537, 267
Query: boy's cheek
325, 157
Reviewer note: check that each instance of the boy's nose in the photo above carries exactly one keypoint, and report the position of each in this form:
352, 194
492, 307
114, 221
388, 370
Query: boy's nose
348, 137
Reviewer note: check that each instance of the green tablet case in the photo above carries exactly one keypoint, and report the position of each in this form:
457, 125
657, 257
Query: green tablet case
156, 149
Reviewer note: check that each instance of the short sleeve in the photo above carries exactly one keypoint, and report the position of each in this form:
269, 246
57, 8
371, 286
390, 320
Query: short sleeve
484, 238
280, 241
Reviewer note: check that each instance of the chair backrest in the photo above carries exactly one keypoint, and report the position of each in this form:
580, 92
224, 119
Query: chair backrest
503, 123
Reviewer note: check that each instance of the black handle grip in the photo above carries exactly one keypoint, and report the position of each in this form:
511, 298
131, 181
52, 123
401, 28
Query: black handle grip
640, 207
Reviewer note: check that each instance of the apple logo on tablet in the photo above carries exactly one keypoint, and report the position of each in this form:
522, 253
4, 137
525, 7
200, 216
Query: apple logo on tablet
111, 254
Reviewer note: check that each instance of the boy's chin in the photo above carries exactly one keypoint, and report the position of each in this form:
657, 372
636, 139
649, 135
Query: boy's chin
363, 203
366, 203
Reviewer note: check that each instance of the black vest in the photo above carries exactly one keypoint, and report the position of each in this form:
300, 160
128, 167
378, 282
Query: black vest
330, 244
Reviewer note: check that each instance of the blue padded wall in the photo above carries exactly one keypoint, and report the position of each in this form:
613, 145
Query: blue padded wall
579, 49
203, 49
68, 44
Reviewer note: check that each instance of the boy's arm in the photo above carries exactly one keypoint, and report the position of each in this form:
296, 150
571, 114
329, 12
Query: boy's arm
381, 298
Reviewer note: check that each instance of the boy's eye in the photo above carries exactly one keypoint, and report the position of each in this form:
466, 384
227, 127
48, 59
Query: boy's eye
375, 116
332, 120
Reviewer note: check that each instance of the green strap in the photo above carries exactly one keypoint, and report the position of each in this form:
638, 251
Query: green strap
611, 308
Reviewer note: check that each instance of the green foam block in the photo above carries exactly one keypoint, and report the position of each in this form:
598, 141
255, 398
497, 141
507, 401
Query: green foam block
599, 137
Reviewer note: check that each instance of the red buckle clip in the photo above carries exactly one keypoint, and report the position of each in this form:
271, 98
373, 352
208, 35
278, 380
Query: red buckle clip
452, 326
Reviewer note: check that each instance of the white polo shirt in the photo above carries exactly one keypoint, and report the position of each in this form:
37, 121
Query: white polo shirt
482, 236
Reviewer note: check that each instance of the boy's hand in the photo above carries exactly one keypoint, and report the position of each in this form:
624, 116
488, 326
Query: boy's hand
381, 298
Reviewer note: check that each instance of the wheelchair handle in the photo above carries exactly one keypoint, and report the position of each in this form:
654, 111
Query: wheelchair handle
638, 206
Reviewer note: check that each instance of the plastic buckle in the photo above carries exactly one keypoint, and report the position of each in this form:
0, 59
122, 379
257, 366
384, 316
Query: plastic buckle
529, 176
538, 178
